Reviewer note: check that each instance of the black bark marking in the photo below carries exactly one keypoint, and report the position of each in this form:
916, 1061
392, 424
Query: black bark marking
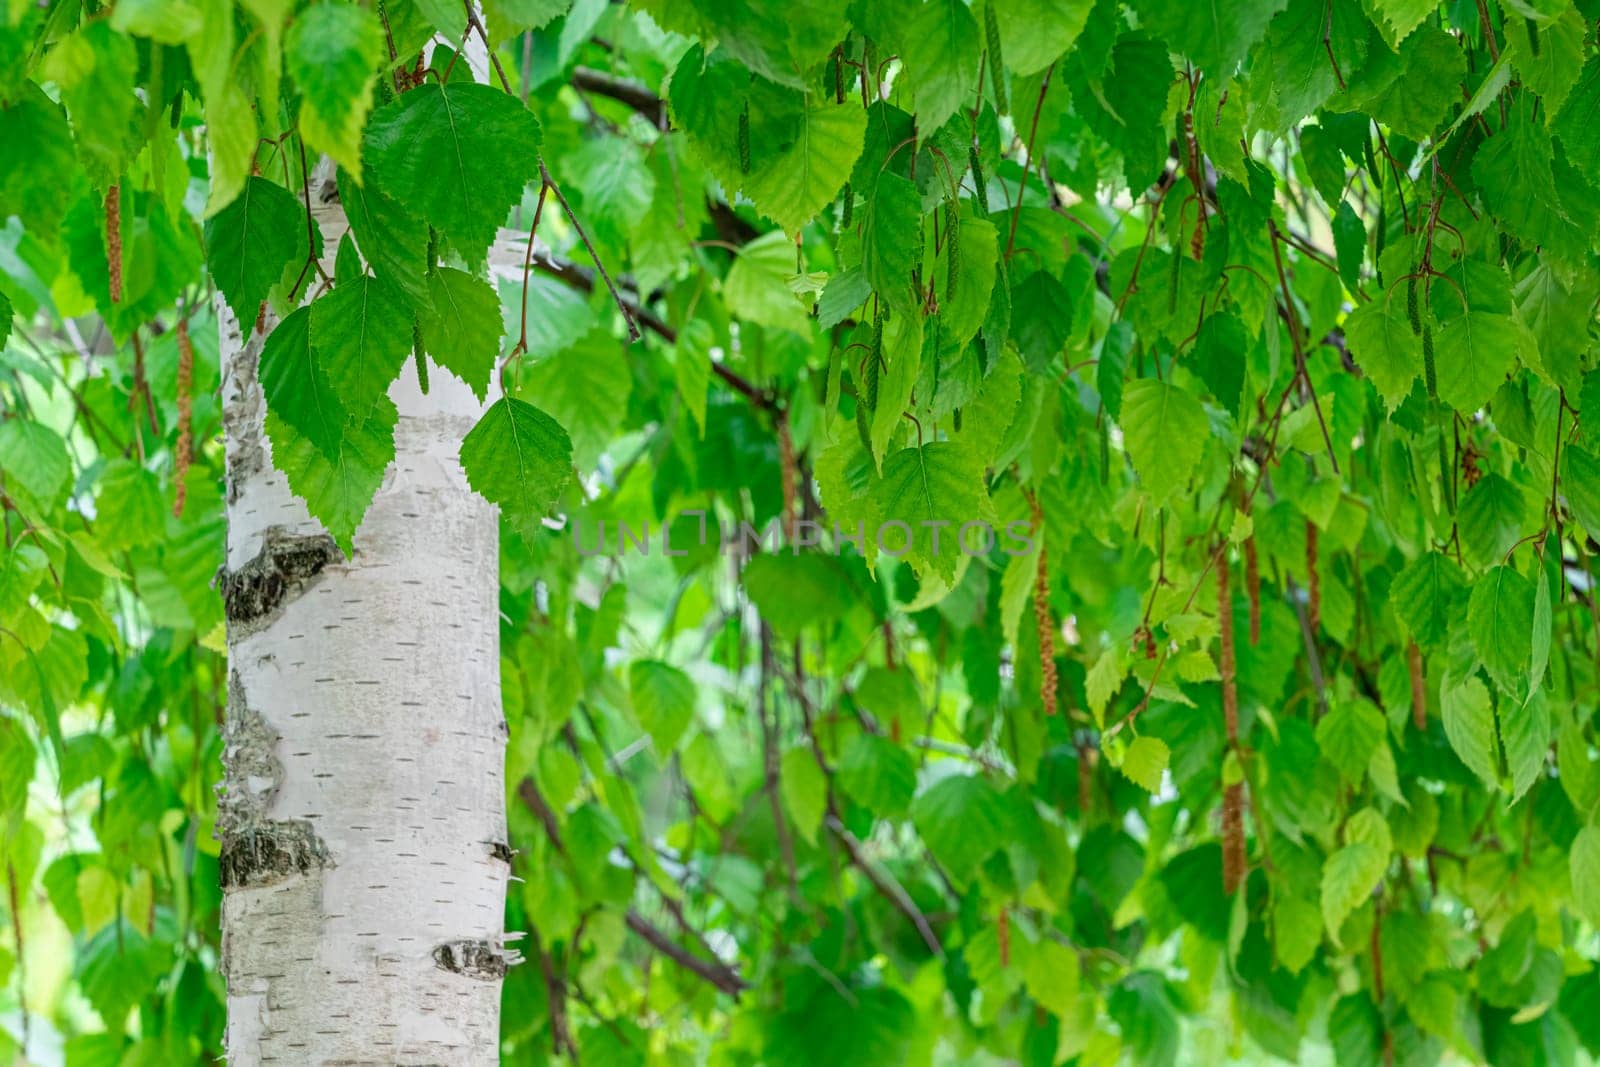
269, 853
501, 851
257, 592
472, 959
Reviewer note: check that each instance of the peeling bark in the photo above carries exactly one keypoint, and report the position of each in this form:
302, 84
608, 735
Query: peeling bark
471, 958
254, 594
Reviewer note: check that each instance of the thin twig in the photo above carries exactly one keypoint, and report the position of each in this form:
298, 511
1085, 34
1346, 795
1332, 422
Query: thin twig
622, 305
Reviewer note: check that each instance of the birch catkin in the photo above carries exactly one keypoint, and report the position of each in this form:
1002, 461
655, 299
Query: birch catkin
1041, 614
1313, 579
1233, 851
114, 241
1419, 690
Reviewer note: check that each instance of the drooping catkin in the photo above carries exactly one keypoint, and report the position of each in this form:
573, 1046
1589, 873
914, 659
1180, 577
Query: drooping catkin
183, 453
788, 473
1313, 578
1419, 688
1233, 852
114, 240
744, 140
1041, 613
980, 187
952, 245
1003, 935
997, 72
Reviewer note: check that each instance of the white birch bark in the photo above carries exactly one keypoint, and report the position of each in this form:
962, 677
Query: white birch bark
363, 819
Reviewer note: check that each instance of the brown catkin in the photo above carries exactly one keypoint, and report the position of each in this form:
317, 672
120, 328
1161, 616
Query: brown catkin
1313, 578
1233, 856
1252, 588
183, 454
1233, 852
1419, 690
1041, 614
114, 240
787, 472
1003, 934
1229, 670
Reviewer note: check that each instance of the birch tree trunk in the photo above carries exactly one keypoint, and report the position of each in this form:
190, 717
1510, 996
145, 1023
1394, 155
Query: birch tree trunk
363, 826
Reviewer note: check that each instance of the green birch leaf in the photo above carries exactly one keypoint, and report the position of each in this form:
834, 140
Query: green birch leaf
1348, 879
1034, 33
1580, 484
1490, 519
1469, 725
337, 489
805, 792
252, 242
1145, 762
1525, 733
1500, 620
1383, 346
1475, 353
1348, 735
507, 18
1397, 18
878, 774
461, 326
1296, 931
1514, 171
691, 366
890, 235
930, 491
458, 156
1575, 124
902, 362
1543, 624
393, 243
1350, 244
1423, 595
963, 819
519, 458
1213, 33
663, 700
36, 150
961, 313
362, 333
96, 69
1164, 429
333, 52
1585, 867
939, 43
35, 457
814, 151
296, 385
